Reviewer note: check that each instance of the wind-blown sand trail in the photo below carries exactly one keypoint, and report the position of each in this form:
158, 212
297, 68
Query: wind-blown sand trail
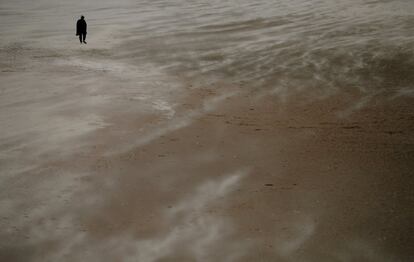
166, 139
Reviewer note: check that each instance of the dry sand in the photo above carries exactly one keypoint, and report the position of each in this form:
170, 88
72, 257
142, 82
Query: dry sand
106, 155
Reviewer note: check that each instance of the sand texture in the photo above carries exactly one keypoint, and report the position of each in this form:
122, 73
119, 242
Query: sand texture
192, 132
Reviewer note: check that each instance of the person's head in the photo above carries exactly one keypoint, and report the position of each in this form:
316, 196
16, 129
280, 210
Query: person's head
82, 17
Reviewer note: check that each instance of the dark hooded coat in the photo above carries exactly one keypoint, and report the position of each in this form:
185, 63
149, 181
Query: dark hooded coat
81, 27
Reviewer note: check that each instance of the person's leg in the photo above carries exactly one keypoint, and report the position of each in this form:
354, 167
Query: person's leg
84, 38
80, 38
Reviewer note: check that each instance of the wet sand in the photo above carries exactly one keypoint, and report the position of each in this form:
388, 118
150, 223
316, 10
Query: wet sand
230, 175
191, 132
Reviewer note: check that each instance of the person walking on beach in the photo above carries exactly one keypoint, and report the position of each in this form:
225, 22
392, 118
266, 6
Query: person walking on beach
81, 29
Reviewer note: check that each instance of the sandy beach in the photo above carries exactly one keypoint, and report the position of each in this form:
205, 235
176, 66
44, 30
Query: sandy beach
206, 141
